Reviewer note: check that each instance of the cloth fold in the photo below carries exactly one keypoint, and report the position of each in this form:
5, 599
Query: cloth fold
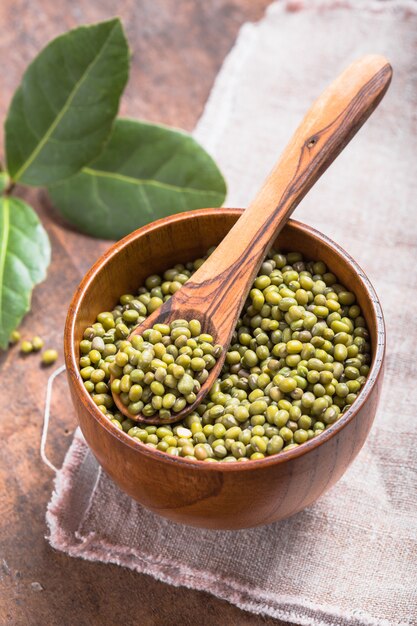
351, 557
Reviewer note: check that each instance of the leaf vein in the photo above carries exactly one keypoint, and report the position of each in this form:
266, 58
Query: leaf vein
146, 181
99, 199
22, 296
22, 233
21, 262
147, 201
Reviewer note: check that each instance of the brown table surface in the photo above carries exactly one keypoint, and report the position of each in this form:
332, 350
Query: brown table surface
178, 47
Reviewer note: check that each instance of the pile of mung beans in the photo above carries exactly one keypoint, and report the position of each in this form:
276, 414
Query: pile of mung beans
170, 363
298, 358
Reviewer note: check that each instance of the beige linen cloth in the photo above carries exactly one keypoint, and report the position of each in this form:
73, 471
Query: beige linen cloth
351, 558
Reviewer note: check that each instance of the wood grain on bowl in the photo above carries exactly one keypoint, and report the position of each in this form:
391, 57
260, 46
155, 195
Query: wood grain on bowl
217, 495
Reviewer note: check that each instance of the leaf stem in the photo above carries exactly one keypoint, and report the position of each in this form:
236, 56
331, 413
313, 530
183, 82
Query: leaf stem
9, 189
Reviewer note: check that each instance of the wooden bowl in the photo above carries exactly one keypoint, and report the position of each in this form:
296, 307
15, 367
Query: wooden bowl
217, 495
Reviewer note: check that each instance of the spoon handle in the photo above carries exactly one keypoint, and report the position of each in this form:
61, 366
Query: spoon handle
328, 126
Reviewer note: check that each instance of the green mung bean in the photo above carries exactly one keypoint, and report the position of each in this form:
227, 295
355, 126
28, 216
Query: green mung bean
50, 356
14, 337
37, 343
26, 347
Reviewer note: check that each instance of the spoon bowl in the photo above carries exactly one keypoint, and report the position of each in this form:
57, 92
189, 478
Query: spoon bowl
177, 307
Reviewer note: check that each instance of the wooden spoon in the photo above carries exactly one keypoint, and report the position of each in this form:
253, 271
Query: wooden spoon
216, 292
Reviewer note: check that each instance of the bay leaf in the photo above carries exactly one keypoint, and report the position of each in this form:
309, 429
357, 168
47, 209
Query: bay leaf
24, 257
146, 171
62, 113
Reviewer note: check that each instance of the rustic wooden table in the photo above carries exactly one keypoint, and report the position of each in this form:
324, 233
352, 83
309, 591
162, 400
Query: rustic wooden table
177, 51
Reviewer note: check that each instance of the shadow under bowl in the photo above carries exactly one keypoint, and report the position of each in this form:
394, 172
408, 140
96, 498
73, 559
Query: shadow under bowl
217, 495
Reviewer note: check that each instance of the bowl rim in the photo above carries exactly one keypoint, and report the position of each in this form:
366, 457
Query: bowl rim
84, 397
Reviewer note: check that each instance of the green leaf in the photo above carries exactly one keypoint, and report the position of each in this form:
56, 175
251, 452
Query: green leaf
24, 257
146, 172
62, 113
